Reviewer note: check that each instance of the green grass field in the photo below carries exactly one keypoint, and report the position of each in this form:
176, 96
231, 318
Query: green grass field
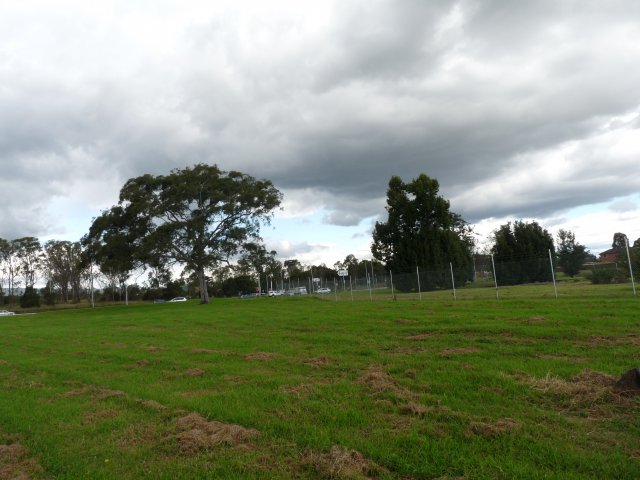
314, 388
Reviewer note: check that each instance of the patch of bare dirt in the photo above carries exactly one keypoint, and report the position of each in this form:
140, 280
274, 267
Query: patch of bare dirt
318, 362
196, 433
3, 362
450, 352
419, 336
378, 381
15, 463
259, 356
154, 348
97, 393
629, 383
490, 430
141, 363
194, 372
342, 463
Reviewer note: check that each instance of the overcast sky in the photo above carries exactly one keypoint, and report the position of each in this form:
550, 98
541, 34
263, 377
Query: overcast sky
521, 110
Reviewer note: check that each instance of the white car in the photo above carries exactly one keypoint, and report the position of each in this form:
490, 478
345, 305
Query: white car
323, 290
178, 299
4, 313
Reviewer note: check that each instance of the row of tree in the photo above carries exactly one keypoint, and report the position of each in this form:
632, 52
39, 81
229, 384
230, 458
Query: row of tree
24, 261
205, 223
421, 232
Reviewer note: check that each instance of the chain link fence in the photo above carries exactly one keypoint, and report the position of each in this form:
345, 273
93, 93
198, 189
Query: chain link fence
487, 278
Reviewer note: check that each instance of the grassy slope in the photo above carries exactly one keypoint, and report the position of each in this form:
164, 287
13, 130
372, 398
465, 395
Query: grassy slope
421, 389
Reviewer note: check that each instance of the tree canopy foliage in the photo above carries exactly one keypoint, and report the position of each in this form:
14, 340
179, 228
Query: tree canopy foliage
197, 216
422, 232
521, 253
571, 255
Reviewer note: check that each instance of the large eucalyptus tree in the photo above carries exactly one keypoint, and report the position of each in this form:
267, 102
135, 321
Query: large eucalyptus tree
196, 217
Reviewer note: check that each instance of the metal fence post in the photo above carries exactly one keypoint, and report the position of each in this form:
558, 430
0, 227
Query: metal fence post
553, 274
633, 283
495, 278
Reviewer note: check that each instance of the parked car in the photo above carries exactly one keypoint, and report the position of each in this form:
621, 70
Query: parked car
323, 290
5, 313
178, 299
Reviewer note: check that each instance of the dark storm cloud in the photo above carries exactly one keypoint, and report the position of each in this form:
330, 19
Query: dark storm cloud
491, 98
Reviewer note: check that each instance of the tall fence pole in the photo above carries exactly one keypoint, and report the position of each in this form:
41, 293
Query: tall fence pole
453, 282
370, 279
553, 275
393, 293
495, 278
418, 275
93, 304
351, 287
633, 283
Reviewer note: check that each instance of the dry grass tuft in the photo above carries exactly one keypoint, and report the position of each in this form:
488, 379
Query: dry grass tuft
302, 391
137, 435
589, 392
342, 463
196, 433
318, 362
141, 363
194, 372
378, 382
259, 356
608, 341
97, 393
563, 358
405, 321
416, 409
90, 418
203, 350
153, 405
419, 336
450, 352
15, 463
490, 430
535, 319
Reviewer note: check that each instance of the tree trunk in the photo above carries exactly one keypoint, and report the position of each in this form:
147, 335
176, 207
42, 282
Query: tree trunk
204, 292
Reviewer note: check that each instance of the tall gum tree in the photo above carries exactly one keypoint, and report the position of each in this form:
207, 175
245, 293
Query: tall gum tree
197, 217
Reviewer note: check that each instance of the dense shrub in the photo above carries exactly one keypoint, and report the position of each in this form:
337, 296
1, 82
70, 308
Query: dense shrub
602, 275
